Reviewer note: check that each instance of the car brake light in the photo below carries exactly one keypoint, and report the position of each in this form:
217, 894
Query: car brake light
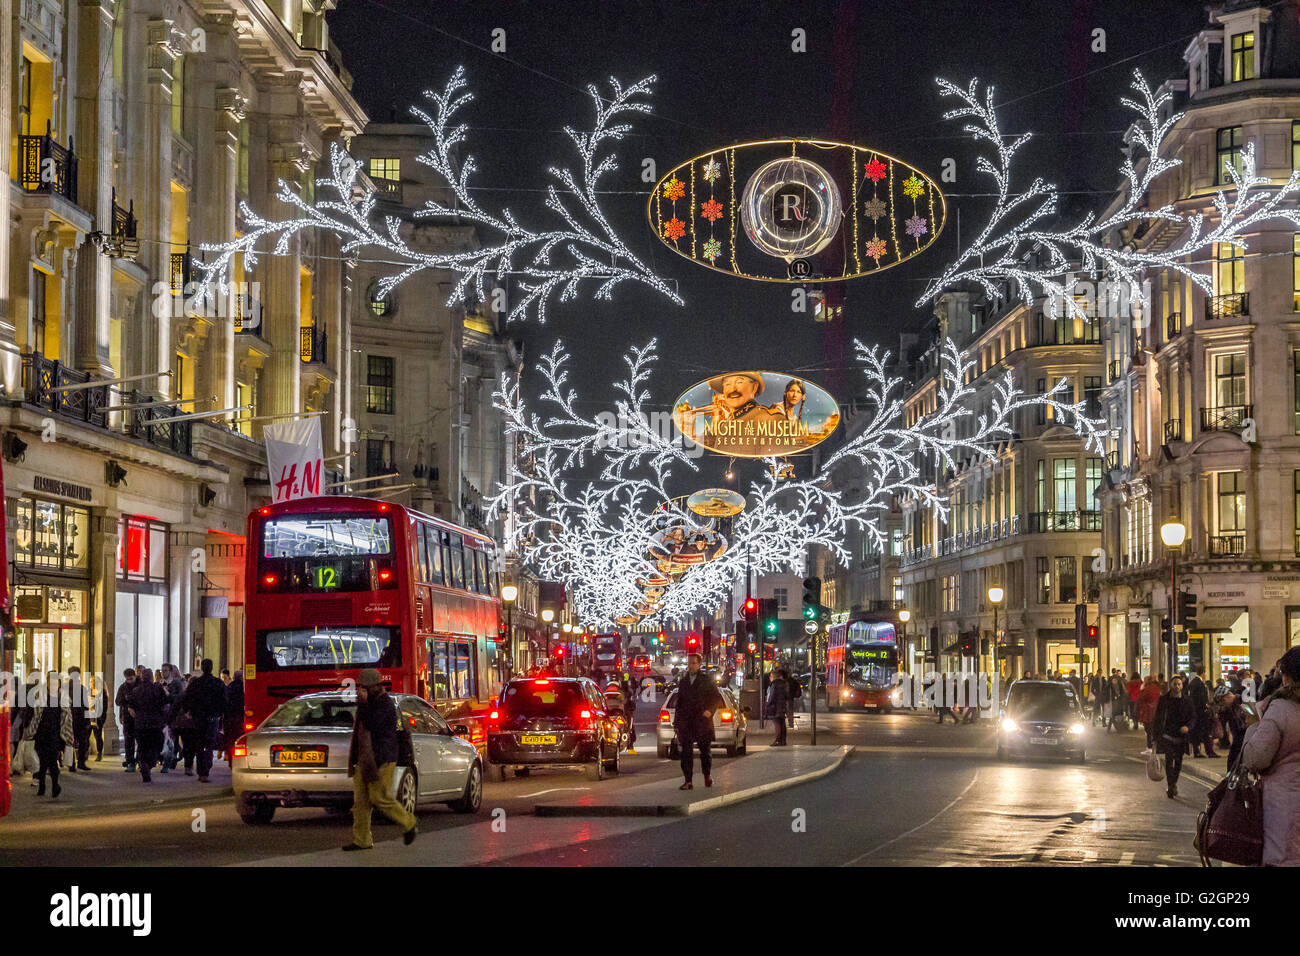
495, 715
541, 681
585, 715
411, 721
726, 716
664, 716
383, 507
241, 748
264, 511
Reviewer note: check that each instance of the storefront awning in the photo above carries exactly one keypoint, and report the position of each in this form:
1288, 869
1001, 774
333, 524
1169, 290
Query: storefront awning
1213, 620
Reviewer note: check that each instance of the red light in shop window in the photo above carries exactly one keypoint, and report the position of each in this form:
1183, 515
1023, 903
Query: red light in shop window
270, 580
133, 555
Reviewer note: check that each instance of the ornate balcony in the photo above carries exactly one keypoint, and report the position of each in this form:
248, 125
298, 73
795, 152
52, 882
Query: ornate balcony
1041, 522
1112, 372
1229, 418
1173, 430
389, 190
1227, 545
313, 344
46, 167
1173, 325
181, 271
1229, 306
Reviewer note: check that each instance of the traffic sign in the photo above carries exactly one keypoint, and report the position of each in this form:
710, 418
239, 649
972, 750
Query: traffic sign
810, 627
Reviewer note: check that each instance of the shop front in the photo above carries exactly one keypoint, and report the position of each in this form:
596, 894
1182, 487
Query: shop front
1221, 643
140, 635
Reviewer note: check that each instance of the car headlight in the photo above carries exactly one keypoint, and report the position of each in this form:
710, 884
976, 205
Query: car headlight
1076, 728
1009, 725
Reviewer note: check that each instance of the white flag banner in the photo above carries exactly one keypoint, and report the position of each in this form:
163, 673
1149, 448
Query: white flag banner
294, 459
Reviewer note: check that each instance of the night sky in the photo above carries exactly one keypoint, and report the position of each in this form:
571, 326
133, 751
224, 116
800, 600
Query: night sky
727, 74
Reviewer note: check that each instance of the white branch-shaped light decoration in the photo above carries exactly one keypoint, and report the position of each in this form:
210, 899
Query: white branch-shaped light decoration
596, 534
1023, 244
549, 263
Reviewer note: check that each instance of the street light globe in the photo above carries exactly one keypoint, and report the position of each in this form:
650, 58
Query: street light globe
1173, 533
904, 615
548, 615
509, 592
566, 627
996, 594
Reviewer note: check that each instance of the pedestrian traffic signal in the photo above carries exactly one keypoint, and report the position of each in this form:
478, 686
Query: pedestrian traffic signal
1187, 611
559, 651
812, 598
968, 645
1091, 637
1080, 624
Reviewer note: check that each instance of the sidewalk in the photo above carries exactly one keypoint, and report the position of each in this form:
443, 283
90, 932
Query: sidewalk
106, 786
766, 769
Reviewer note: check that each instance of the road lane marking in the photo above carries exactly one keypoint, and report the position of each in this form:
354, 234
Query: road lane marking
954, 802
552, 790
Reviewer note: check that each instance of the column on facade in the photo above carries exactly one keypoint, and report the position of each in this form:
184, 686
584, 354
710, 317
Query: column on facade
222, 169
154, 221
328, 290
103, 612
185, 633
10, 361
281, 305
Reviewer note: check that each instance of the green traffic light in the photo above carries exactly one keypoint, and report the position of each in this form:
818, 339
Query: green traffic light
809, 611
771, 627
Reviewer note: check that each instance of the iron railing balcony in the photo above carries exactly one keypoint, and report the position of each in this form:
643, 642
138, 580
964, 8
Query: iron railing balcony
313, 344
1173, 325
1231, 305
1173, 430
1112, 372
1041, 522
44, 166
1226, 545
389, 190
1229, 418
1112, 461
181, 271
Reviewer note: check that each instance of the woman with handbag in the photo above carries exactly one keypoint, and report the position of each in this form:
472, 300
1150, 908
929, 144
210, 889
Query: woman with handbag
1272, 750
1175, 719
50, 731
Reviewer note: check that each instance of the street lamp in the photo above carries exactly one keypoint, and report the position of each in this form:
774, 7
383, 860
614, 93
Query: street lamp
1173, 533
904, 615
548, 615
508, 594
996, 594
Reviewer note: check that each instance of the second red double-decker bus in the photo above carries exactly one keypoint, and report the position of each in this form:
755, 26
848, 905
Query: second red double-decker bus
339, 584
862, 665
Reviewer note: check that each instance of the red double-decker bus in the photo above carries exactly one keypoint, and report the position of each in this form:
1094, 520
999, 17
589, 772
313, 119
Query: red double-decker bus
339, 584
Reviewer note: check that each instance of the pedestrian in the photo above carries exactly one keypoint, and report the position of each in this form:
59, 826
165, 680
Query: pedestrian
78, 695
234, 720
1271, 683
100, 696
1199, 694
205, 701
148, 709
1134, 689
1272, 750
794, 695
778, 702
122, 700
697, 699
1101, 691
50, 731
1175, 722
629, 697
372, 761
1077, 684
1118, 699
1148, 700
942, 703
1233, 717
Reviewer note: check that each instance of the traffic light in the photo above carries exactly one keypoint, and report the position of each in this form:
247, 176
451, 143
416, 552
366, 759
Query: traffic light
1187, 612
692, 644
968, 645
1092, 637
706, 644
742, 631
752, 647
559, 651
769, 623
661, 639
751, 610
812, 598
1167, 629
1080, 625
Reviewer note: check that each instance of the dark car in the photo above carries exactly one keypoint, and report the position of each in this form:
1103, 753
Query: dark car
553, 722
1042, 718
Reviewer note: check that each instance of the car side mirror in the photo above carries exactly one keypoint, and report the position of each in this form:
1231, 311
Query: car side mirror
460, 730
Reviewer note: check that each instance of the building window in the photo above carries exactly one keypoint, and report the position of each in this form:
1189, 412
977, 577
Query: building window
1296, 505
379, 385
178, 95
1228, 152
386, 168
1064, 485
1040, 409
782, 598
898, 588
1067, 583
247, 398
379, 457
1040, 486
1230, 380
380, 305
1091, 482
141, 549
1243, 57
1295, 386
50, 535
1044, 576
25, 99
243, 154
1092, 396
1231, 510
38, 312
1229, 269
896, 542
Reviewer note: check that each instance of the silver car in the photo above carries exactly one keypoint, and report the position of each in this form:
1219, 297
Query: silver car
298, 757
730, 726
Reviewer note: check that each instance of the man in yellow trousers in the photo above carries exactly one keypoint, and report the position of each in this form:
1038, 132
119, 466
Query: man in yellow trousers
372, 760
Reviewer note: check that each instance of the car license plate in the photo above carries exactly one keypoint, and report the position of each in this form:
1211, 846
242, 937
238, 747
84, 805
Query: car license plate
300, 756
539, 738
1044, 740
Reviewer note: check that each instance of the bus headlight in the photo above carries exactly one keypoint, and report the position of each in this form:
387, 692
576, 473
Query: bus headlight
1009, 725
846, 693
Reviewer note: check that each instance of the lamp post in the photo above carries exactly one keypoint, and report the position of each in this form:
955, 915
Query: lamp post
904, 615
508, 594
996, 594
548, 615
1173, 533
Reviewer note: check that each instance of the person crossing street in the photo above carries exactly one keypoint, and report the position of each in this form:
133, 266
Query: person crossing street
372, 762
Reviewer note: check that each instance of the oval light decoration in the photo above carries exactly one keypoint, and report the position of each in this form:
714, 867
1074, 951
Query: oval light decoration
716, 503
797, 210
756, 414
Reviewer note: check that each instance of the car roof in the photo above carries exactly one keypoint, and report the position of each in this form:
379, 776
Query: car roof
339, 694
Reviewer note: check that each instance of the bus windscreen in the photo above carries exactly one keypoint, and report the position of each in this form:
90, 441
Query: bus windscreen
316, 648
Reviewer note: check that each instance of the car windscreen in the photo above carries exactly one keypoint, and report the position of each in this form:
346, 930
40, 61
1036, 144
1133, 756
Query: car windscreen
1043, 701
329, 712
531, 699
328, 648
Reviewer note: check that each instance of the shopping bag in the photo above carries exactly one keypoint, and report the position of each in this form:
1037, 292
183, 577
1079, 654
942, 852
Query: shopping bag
69, 756
1155, 768
25, 759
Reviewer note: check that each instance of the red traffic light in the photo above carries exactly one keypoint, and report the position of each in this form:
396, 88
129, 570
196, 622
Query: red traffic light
663, 635
752, 647
751, 606
693, 641
1092, 630
559, 651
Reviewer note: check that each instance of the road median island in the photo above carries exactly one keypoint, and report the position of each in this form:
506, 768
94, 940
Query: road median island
762, 772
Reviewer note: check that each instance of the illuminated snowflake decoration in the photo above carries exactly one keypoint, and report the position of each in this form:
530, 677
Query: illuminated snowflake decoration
711, 210
916, 227
712, 170
712, 249
596, 533
874, 170
873, 208
548, 263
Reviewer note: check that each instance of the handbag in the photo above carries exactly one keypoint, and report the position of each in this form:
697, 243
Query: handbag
1231, 827
1155, 768
25, 760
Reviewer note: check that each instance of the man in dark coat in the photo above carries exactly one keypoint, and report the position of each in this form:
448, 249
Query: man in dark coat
1174, 724
1199, 694
372, 761
205, 699
778, 702
122, 700
234, 723
147, 704
697, 699
78, 695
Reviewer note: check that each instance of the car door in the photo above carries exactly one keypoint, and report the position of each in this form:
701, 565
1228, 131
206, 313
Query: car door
422, 742
449, 760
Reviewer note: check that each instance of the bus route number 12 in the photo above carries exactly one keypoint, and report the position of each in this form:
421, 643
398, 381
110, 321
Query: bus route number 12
326, 577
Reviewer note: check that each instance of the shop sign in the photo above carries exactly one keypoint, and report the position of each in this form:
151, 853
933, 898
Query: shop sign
1137, 615
1225, 595
1275, 592
64, 489
294, 459
216, 606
